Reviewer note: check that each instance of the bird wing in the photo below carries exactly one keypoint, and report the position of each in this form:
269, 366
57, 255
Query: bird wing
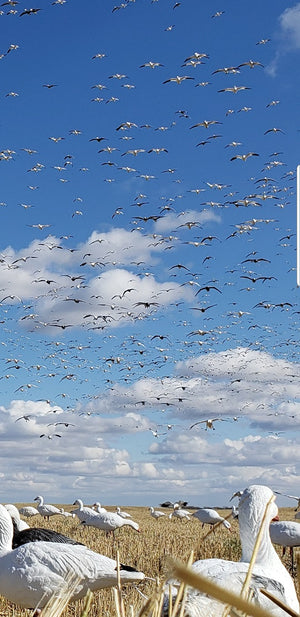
38, 534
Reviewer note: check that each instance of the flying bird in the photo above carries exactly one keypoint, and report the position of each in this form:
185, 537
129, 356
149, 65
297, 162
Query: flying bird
244, 157
177, 79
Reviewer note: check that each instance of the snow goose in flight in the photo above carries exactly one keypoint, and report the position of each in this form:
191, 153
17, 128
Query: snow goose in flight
32, 573
208, 516
46, 510
268, 571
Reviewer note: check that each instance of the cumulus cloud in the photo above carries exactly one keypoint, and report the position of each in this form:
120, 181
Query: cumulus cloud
288, 36
290, 25
150, 439
92, 285
173, 221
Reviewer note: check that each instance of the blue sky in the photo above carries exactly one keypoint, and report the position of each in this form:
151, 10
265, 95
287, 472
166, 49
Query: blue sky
147, 272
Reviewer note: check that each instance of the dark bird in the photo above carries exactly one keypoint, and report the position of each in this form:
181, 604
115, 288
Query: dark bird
274, 130
256, 260
146, 304
29, 12
202, 309
207, 288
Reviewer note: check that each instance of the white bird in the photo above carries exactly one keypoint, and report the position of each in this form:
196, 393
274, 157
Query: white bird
67, 514
15, 515
208, 516
28, 511
268, 572
156, 513
32, 573
82, 512
179, 513
107, 521
98, 508
24, 534
46, 510
285, 534
122, 513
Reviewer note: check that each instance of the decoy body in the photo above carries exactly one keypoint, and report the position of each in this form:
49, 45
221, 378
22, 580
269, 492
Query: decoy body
24, 534
210, 517
32, 573
268, 571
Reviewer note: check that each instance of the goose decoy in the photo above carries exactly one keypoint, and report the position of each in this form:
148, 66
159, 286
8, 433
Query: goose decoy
179, 513
82, 512
32, 573
108, 521
28, 511
208, 516
286, 534
268, 571
24, 534
122, 513
156, 513
46, 510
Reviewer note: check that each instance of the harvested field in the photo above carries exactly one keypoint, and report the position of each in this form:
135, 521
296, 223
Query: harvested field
147, 551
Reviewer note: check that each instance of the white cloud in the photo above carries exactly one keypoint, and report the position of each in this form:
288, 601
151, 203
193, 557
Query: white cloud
64, 286
290, 25
288, 35
172, 221
107, 448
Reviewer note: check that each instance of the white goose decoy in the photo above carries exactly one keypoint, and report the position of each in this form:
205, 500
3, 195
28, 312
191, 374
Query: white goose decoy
24, 534
268, 571
32, 573
98, 508
208, 516
82, 512
122, 513
46, 510
179, 513
285, 534
28, 511
15, 515
66, 514
108, 521
156, 513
